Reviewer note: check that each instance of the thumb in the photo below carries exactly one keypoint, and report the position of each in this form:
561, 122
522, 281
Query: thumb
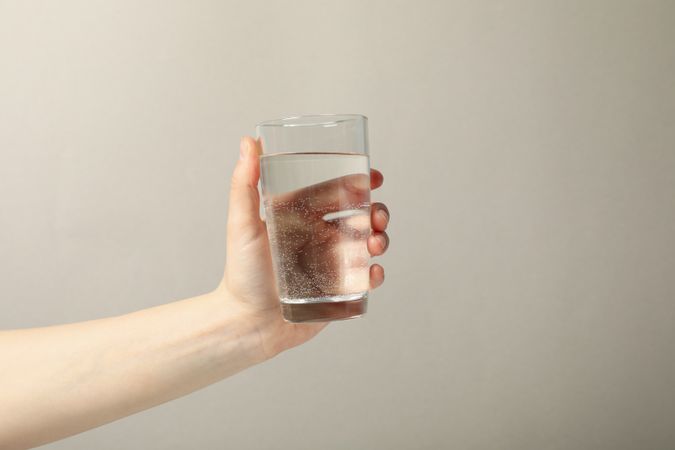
244, 208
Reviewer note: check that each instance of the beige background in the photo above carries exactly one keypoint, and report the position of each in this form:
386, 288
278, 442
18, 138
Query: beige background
529, 154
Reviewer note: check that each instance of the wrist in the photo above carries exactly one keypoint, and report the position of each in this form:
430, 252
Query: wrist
259, 330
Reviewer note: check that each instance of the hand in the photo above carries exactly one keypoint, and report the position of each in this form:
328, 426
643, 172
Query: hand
319, 232
248, 283
90, 373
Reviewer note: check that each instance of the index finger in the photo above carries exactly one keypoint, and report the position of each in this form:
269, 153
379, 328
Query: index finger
337, 194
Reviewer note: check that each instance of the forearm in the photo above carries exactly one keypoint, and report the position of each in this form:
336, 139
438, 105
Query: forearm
58, 381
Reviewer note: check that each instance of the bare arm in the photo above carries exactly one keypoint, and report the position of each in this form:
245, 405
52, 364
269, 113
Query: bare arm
61, 380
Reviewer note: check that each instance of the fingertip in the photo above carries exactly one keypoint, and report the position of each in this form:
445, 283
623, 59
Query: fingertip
257, 145
376, 276
247, 171
378, 243
376, 178
379, 216
248, 148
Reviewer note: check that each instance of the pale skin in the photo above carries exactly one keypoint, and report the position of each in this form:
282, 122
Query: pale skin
61, 380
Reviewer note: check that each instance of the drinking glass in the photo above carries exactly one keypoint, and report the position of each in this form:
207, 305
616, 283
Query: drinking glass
315, 177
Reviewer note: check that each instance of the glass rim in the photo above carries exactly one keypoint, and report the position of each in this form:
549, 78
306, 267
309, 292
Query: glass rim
312, 120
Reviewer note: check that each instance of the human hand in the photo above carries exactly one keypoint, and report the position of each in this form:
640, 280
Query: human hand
317, 235
249, 284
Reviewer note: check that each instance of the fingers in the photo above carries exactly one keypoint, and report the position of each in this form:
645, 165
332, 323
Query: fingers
378, 243
244, 199
343, 193
376, 179
379, 216
376, 276
338, 194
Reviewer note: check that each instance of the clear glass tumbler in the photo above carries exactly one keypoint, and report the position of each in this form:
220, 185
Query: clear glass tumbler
315, 177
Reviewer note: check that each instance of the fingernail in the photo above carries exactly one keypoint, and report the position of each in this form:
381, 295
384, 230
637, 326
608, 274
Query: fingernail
243, 148
384, 214
382, 240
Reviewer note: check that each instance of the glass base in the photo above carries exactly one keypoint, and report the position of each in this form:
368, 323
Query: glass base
325, 311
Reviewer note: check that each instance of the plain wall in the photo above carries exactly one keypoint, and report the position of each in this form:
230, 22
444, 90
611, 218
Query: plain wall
529, 156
